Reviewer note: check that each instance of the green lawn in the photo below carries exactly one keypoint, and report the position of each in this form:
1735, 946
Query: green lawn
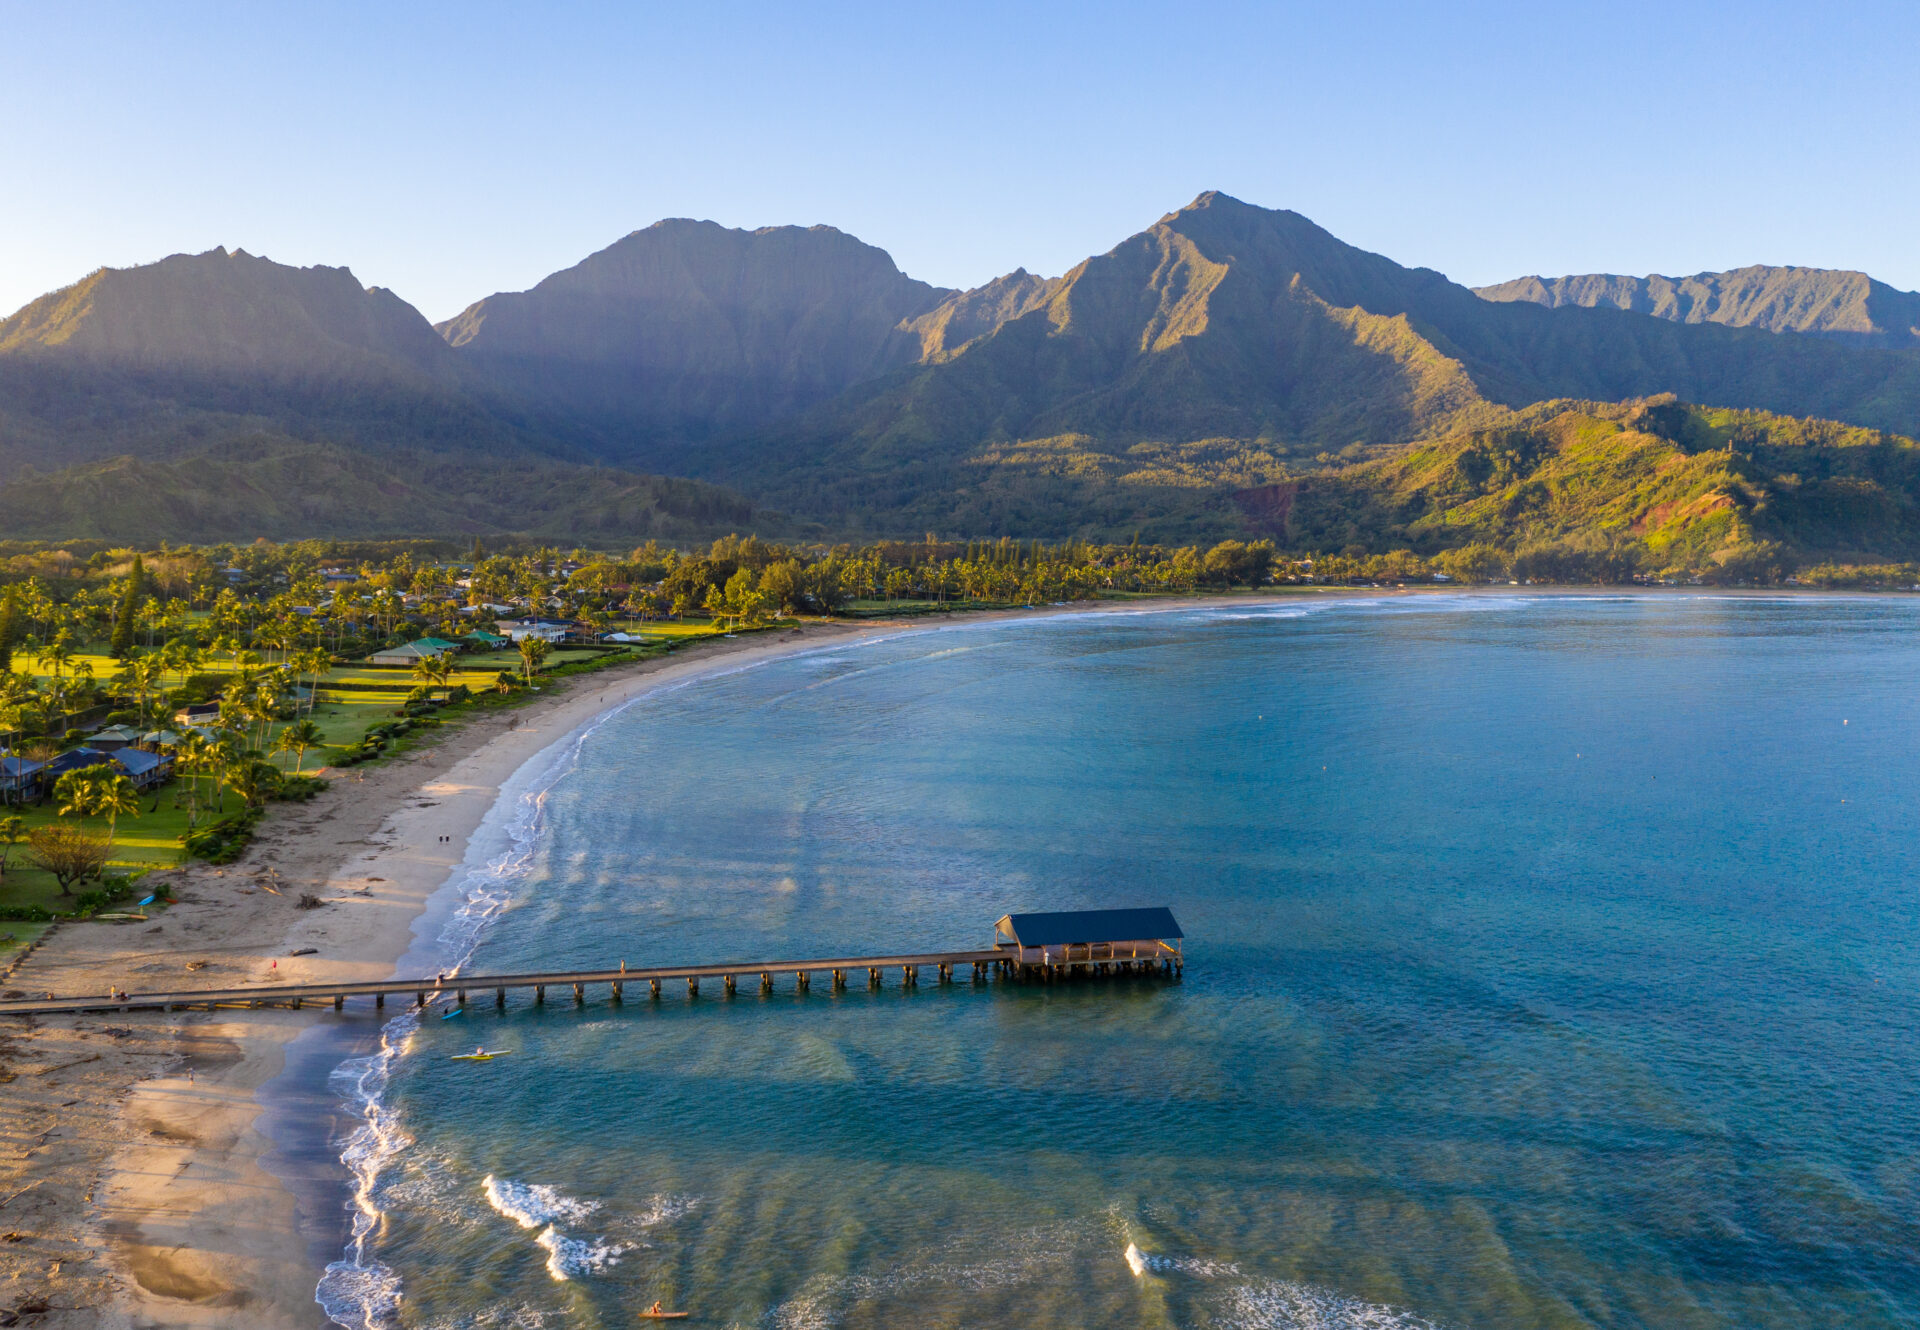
151, 840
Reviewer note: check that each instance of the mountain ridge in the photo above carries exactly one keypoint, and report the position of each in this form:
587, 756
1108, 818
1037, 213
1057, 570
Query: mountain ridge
685, 328
1251, 334
1841, 304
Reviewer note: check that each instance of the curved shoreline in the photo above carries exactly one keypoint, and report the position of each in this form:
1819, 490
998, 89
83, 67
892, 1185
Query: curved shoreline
155, 1198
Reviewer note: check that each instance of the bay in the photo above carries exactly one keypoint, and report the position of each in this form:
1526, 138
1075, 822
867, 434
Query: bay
1552, 962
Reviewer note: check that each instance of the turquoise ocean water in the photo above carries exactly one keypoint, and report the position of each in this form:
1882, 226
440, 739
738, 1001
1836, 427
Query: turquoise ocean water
1552, 962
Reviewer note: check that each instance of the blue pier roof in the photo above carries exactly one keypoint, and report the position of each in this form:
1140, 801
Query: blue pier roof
1069, 927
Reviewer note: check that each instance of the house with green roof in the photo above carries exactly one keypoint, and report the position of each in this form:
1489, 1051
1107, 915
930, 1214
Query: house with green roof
424, 648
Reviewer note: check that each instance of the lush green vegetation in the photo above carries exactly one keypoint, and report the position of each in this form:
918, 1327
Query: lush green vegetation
277, 487
1586, 492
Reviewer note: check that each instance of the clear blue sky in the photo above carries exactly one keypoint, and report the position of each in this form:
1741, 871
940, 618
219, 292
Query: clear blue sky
452, 150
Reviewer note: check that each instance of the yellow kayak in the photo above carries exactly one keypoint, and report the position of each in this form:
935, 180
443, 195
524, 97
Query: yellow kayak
484, 1055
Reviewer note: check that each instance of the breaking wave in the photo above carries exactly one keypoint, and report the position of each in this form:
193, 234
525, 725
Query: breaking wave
530, 1206
568, 1257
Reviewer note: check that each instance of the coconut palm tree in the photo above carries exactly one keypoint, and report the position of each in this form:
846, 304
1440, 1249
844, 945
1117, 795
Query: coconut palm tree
114, 796
251, 779
13, 830
77, 792
315, 664
297, 738
434, 670
533, 651
192, 758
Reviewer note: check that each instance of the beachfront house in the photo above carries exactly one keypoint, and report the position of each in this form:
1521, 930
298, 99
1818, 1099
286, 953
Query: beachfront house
144, 769
482, 640
547, 630
425, 648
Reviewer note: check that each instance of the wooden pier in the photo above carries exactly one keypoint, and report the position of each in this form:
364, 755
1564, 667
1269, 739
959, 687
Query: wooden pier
1009, 960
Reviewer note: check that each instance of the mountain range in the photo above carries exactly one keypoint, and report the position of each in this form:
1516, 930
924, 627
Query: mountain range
795, 379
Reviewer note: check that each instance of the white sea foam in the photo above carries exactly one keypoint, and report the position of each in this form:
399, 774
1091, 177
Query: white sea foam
355, 1291
530, 1206
568, 1257
1283, 1305
1192, 1266
358, 1291
1271, 1304
661, 1210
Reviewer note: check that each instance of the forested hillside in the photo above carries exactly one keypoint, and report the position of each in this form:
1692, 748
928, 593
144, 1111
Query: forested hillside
1656, 486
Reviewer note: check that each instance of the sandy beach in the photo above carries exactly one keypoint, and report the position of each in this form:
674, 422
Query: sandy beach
132, 1189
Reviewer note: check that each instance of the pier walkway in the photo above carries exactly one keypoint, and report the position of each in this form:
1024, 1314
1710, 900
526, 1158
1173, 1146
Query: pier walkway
1041, 964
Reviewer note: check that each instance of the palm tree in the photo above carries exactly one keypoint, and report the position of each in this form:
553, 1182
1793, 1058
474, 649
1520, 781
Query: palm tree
434, 670
13, 830
234, 719
315, 664
140, 674
263, 703
56, 655
533, 651
297, 739
77, 792
248, 777
115, 796
54, 702
194, 758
